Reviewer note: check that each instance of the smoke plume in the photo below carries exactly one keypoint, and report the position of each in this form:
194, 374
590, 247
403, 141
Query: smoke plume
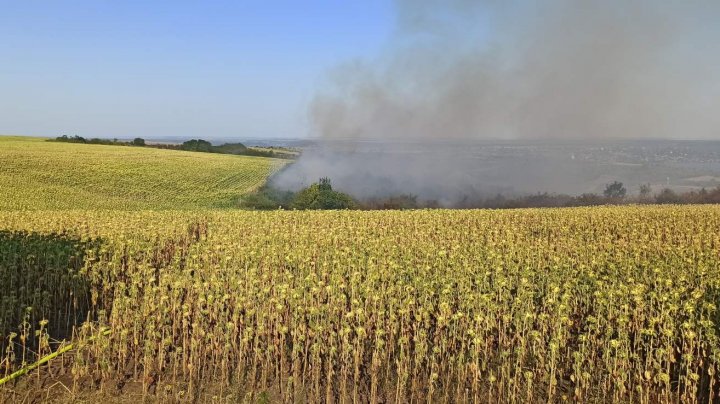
479, 70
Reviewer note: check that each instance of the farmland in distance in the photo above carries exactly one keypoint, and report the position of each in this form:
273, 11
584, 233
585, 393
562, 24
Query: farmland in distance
40, 175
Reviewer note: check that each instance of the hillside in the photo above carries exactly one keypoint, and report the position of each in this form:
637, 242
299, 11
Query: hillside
35, 174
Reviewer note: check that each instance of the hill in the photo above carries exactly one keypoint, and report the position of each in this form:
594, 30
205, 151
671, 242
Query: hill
37, 175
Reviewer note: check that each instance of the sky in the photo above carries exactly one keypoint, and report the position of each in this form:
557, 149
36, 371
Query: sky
213, 69
417, 69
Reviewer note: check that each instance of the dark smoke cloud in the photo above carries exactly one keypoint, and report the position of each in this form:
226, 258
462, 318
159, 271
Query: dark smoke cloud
521, 69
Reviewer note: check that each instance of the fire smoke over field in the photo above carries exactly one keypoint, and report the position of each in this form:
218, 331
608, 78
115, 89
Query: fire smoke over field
462, 71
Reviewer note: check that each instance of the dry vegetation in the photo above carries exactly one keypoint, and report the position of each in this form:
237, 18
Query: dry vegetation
607, 304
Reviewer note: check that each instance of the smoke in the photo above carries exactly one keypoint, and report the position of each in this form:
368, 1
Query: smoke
464, 71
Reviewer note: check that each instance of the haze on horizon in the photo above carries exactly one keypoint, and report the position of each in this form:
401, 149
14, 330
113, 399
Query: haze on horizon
466, 71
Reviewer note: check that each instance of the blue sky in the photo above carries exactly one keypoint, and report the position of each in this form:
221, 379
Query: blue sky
176, 68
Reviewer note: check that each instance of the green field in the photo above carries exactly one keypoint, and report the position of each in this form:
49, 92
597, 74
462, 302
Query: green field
36, 174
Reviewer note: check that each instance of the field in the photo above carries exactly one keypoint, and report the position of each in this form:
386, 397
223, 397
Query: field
609, 304
35, 174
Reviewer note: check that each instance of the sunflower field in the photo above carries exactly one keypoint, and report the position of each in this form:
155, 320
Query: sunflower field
606, 304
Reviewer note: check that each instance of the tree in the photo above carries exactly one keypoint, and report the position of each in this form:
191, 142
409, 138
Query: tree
615, 190
645, 191
324, 184
197, 145
138, 141
320, 195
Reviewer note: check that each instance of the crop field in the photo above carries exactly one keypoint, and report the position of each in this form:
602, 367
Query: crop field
606, 304
35, 174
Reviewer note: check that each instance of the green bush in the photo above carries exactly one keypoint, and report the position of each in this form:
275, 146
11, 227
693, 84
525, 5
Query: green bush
321, 196
267, 198
197, 145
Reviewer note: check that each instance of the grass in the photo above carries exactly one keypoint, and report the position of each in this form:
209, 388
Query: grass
40, 175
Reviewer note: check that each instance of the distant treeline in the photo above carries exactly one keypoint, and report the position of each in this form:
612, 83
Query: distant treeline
196, 145
544, 200
614, 194
611, 196
114, 142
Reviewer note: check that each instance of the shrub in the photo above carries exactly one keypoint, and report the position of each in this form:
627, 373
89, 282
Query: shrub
268, 198
321, 196
402, 201
590, 199
667, 196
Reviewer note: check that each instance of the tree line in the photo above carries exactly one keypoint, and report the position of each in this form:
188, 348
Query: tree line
321, 195
138, 141
195, 145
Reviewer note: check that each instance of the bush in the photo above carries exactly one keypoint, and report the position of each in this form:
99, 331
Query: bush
321, 196
403, 201
267, 198
260, 201
667, 196
589, 199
